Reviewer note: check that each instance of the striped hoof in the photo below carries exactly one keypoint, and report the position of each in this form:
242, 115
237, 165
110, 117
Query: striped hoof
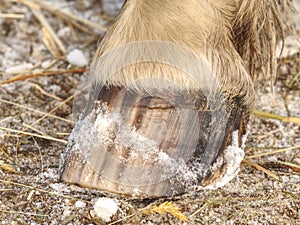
172, 90
154, 146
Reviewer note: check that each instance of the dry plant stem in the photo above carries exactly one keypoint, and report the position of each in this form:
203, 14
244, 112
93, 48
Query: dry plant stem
123, 219
273, 152
289, 164
6, 155
54, 109
65, 15
50, 73
296, 77
36, 130
199, 210
47, 137
41, 18
50, 44
165, 207
34, 110
258, 167
41, 190
43, 92
81, 27
23, 213
41, 156
277, 117
7, 168
11, 16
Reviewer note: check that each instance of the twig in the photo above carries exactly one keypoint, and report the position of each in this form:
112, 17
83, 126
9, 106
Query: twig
54, 109
123, 219
35, 110
23, 213
273, 152
199, 210
41, 18
8, 168
258, 167
41, 190
32, 128
294, 167
47, 73
34, 135
40, 152
50, 44
65, 15
277, 117
11, 15
295, 78
43, 92
165, 207
6, 155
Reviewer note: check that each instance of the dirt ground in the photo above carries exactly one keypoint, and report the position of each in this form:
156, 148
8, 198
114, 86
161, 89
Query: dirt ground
35, 121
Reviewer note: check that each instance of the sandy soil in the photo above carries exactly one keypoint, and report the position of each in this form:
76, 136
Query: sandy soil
29, 191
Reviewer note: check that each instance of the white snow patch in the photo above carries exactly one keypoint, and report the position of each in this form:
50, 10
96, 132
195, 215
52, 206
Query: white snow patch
80, 204
110, 128
46, 64
233, 156
19, 68
48, 174
59, 187
105, 208
77, 58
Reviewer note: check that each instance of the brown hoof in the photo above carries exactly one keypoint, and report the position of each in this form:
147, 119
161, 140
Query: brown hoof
151, 146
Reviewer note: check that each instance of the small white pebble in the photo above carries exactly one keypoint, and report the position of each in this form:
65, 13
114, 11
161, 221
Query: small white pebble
105, 208
46, 64
77, 58
19, 68
80, 204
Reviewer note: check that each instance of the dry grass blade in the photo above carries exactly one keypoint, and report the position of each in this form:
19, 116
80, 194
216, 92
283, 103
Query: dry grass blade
273, 152
123, 219
50, 44
11, 16
32, 128
54, 109
294, 167
23, 213
48, 29
65, 15
34, 135
166, 207
260, 168
292, 194
199, 210
277, 117
47, 73
295, 78
41, 190
43, 92
34, 110
6, 155
7, 168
